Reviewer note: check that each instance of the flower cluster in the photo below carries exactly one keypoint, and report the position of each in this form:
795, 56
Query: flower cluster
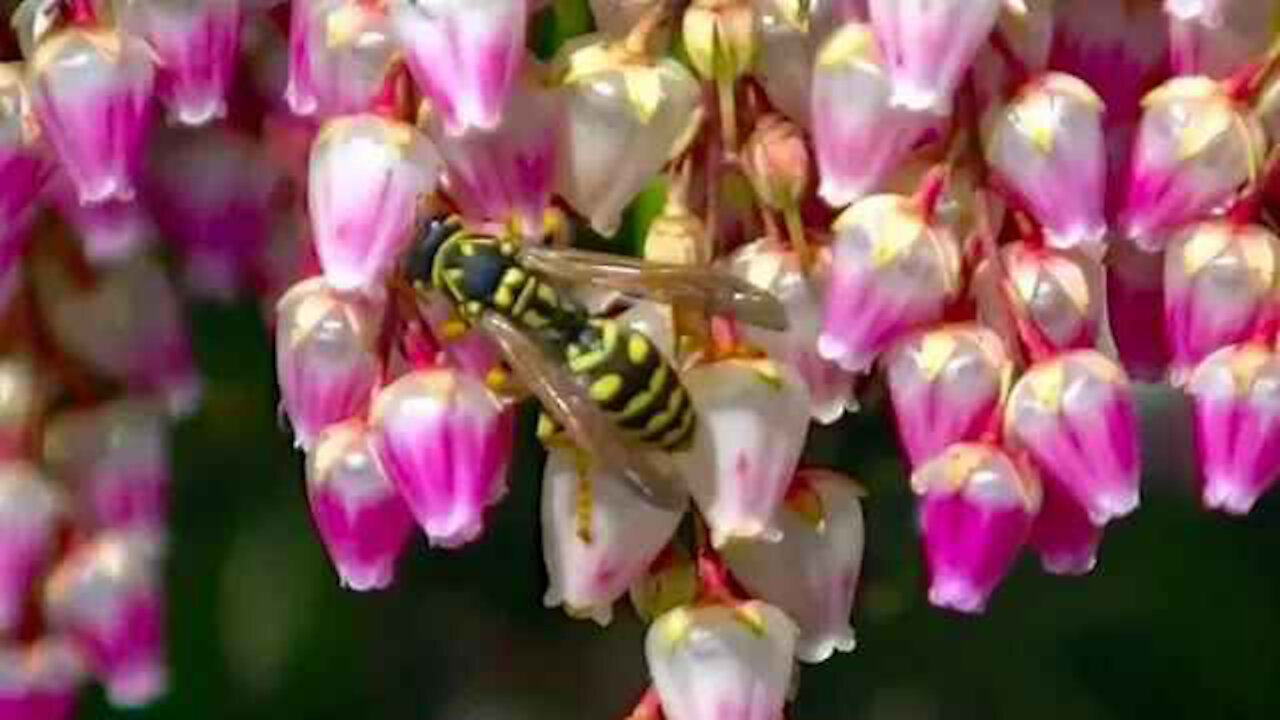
999, 211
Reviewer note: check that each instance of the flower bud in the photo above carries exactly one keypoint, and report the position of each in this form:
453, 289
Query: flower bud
753, 418
106, 596
505, 174
1218, 37
40, 681
598, 536
445, 442
31, 509
1047, 145
930, 44
777, 270
23, 168
976, 508
948, 385
812, 573
1058, 295
340, 52
1221, 285
1235, 394
718, 661
720, 37
195, 45
859, 138
361, 519
1074, 415
776, 161
465, 56
1063, 535
22, 397
627, 115
1195, 148
892, 271
326, 362
367, 175
90, 89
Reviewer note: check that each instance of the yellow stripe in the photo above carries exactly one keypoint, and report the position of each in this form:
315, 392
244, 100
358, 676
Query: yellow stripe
637, 404
606, 388
668, 415
637, 349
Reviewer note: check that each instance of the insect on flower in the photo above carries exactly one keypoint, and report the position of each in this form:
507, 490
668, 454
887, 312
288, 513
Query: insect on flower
605, 383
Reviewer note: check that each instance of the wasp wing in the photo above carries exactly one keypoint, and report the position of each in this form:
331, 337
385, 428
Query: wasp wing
589, 426
710, 289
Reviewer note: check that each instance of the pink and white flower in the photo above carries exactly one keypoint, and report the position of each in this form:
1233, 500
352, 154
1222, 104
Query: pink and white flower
1063, 535
23, 167
445, 441
360, 516
367, 176
722, 661
976, 508
31, 509
1218, 37
40, 681
340, 55
812, 573
1054, 295
325, 356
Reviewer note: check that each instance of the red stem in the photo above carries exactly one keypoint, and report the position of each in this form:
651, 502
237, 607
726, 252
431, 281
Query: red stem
1019, 73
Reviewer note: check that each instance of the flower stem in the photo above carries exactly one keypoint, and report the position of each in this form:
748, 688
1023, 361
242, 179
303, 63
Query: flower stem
796, 234
726, 96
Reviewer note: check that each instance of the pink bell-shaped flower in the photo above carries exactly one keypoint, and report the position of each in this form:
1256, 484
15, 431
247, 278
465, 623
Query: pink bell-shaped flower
812, 573
1196, 147
326, 362
445, 441
340, 54
360, 516
1074, 415
767, 265
892, 271
31, 509
23, 167
40, 681
976, 509
859, 137
507, 173
948, 385
1054, 295
90, 89
464, 54
929, 44
1048, 147
1235, 394
1063, 535
106, 597
367, 175
753, 419
117, 457
712, 662
1220, 287
195, 46
1218, 37
598, 536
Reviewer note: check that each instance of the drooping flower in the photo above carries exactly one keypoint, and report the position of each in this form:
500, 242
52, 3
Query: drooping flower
892, 272
31, 509
340, 52
1074, 414
1196, 147
859, 136
360, 516
195, 46
1218, 37
106, 596
598, 536
1235, 393
1054, 295
721, 661
1048, 147
948, 385
976, 508
325, 356
1220, 287
445, 441
117, 457
367, 174
1063, 535
464, 54
627, 114
40, 681
23, 169
812, 573
928, 45
90, 89
753, 418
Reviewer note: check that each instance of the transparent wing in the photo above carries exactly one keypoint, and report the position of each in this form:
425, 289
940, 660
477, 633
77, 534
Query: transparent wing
589, 426
712, 290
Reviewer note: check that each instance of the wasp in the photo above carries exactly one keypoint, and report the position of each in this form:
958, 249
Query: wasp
606, 384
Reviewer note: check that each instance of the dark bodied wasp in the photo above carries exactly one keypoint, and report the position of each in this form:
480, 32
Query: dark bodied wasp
605, 383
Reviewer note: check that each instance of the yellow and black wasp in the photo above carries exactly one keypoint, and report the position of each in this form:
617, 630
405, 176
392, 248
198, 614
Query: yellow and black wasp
605, 383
